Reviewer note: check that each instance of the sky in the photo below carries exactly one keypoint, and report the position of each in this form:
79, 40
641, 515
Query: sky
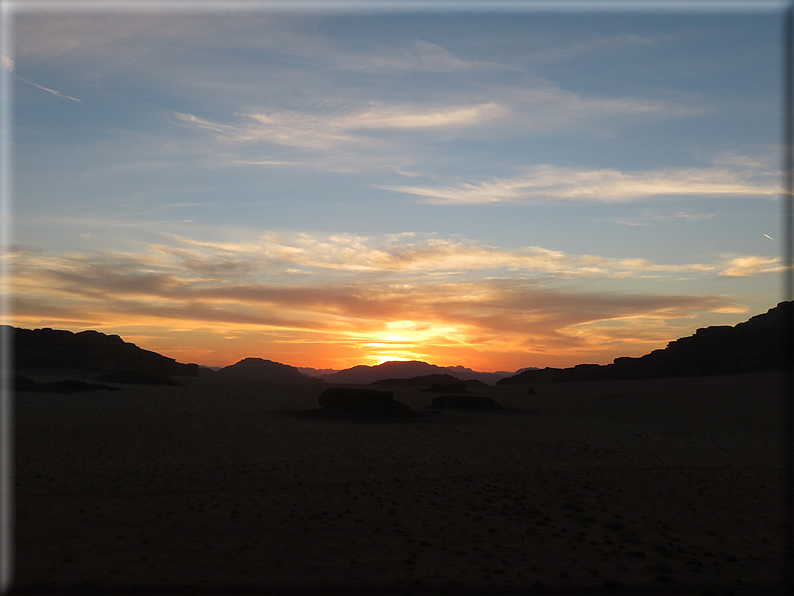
327, 188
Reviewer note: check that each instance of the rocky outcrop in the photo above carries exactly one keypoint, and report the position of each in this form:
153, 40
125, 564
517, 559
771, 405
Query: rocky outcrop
89, 351
753, 346
360, 400
464, 402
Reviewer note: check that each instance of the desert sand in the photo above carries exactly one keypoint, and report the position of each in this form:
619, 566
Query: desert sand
665, 486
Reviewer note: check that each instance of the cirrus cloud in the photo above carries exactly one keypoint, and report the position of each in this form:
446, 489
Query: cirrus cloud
419, 55
404, 254
324, 131
553, 183
751, 266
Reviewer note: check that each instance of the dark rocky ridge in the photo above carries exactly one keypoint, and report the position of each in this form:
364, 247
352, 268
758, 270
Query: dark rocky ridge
90, 351
756, 345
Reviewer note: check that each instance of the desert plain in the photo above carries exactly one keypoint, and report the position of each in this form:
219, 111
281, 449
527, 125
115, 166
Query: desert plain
666, 486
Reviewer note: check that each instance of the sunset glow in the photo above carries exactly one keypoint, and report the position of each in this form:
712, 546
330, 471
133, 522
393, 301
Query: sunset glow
494, 191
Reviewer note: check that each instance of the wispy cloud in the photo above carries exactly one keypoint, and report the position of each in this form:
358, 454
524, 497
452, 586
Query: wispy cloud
552, 183
751, 266
649, 217
328, 131
566, 51
421, 56
351, 136
354, 139
399, 117
560, 106
538, 108
325, 273
396, 254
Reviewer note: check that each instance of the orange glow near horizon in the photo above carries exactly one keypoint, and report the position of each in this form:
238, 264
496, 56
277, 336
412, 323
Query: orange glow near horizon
224, 345
496, 325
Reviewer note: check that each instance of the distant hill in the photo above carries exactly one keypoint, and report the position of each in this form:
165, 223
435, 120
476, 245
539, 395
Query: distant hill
400, 369
317, 372
260, 369
753, 346
468, 374
89, 351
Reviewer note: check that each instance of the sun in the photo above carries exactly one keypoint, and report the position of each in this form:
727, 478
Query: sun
406, 340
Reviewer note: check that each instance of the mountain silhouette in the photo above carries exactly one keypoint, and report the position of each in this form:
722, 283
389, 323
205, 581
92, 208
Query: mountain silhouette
89, 351
406, 369
260, 369
316, 372
752, 346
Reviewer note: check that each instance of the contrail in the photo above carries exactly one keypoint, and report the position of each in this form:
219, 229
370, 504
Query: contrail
9, 64
53, 91
768, 236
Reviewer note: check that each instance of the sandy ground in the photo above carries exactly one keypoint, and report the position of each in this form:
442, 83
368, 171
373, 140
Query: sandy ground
670, 486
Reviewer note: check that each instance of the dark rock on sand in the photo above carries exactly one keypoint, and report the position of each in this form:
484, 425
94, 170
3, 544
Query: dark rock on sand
360, 400
138, 377
90, 351
23, 383
465, 402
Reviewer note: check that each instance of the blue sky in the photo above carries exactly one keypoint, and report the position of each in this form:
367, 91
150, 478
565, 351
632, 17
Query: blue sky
334, 188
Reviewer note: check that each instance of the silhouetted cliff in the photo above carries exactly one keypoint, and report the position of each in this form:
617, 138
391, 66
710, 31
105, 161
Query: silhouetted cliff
90, 351
753, 346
